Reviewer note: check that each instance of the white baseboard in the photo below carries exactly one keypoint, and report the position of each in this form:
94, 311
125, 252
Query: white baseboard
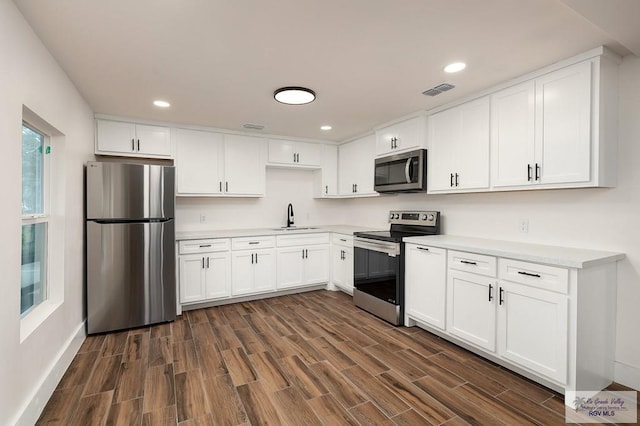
627, 375
34, 406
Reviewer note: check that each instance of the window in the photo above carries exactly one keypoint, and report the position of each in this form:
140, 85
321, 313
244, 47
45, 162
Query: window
35, 218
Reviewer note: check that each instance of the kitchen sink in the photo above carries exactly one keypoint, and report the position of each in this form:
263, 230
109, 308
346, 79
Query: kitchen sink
293, 228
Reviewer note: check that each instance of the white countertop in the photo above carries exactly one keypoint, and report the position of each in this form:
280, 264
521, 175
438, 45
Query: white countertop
254, 232
537, 253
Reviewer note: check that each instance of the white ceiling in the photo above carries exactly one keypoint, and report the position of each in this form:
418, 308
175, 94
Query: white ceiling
219, 61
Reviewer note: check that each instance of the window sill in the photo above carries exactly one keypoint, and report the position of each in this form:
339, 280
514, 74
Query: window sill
39, 315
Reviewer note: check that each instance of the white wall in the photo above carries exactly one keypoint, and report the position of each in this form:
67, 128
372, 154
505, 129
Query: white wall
284, 186
31, 77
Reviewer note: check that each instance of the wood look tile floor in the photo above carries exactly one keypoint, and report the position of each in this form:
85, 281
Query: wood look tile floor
304, 359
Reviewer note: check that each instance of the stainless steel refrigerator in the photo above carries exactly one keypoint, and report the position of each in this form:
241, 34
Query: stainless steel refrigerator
130, 231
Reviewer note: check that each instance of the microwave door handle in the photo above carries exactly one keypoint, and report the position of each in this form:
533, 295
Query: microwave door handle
407, 170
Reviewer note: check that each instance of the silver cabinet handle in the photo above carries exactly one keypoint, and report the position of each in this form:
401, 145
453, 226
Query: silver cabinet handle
343, 240
303, 253
466, 262
226, 187
423, 248
254, 242
133, 144
256, 258
326, 189
490, 293
203, 263
220, 186
205, 245
207, 263
501, 299
252, 258
529, 274
138, 145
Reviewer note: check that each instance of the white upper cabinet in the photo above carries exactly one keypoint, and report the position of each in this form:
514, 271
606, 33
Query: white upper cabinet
404, 136
294, 153
541, 130
244, 165
326, 178
212, 164
458, 149
512, 135
356, 167
200, 162
132, 140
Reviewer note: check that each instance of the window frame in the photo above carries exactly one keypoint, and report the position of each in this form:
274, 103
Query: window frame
43, 217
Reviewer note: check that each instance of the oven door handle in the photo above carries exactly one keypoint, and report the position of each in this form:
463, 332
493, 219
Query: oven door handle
392, 249
407, 170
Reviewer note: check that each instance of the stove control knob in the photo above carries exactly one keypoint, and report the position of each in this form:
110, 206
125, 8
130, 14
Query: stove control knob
424, 217
391, 216
397, 216
431, 217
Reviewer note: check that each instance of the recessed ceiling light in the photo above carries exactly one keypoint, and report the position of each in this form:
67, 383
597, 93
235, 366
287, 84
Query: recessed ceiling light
161, 104
294, 95
455, 67
326, 127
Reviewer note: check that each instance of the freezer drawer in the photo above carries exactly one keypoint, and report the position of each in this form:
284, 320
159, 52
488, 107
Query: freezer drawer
130, 275
129, 191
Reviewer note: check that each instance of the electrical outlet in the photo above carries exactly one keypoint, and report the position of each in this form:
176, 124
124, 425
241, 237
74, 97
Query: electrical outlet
524, 225
203, 218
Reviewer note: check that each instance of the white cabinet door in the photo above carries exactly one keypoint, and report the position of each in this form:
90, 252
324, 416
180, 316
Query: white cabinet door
316, 264
242, 273
326, 179
244, 165
442, 150
218, 275
294, 153
115, 136
459, 148
471, 308
342, 267
403, 136
472, 154
426, 284
356, 167
192, 278
290, 267
512, 135
265, 270
563, 127
153, 140
200, 162
533, 329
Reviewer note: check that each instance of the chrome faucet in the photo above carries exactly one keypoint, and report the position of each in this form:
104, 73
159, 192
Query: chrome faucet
289, 215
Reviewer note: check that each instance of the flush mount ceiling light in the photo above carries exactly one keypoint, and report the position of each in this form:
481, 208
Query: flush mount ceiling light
326, 127
455, 67
161, 104
294, 95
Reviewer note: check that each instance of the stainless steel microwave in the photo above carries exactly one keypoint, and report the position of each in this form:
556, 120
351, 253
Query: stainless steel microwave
406, 172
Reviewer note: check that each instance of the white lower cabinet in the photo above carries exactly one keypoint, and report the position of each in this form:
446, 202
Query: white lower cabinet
472, 308
205, 274
253, 271
302, 260
550, 323
533, 329
425, 284
342, 262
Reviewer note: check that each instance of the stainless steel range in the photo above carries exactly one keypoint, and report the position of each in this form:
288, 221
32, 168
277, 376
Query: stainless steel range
379, 263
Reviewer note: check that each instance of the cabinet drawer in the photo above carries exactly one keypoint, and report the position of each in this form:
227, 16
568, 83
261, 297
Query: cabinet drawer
472, 262
204, 246
535, 275
301, 239
248, 243
342, 240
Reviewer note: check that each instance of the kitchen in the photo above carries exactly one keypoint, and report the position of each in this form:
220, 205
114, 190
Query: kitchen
597, 218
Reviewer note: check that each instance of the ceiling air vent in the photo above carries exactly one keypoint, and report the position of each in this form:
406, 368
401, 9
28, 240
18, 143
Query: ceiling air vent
253, 126
440, 88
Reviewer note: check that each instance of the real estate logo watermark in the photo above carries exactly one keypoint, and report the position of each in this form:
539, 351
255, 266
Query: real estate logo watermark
603, 407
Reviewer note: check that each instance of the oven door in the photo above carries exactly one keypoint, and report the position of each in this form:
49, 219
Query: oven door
377, 269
